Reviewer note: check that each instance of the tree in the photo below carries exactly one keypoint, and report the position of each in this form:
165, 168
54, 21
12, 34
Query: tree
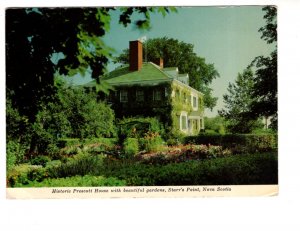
75, 113
215, 124
237, 104
88, 116
180, 54
265, 82
35, 35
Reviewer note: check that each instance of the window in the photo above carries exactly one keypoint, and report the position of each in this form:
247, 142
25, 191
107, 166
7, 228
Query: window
194, 101
177, 94
123, 96
139, 95
183, 122
184, 98
156, 95
166, 92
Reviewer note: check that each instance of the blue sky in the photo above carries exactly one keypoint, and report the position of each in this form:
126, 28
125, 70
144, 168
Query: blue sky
228, 37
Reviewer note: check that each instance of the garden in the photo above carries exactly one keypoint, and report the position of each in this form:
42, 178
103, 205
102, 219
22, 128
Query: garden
142, 154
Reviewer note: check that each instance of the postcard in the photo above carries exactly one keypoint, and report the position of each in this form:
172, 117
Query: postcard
105, 102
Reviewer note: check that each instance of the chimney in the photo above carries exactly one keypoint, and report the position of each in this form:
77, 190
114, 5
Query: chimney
135, 55
159, 62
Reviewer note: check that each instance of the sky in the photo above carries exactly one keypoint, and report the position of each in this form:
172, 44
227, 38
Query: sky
227, 37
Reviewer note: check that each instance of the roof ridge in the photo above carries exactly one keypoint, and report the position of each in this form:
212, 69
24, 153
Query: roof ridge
161, 70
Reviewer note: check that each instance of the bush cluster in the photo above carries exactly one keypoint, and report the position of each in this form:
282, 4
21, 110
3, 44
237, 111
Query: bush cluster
15, 154
234, 170
93, 146
76, 181
131, 147
185, 153
238, 143
40, 160
151, 142
24, 173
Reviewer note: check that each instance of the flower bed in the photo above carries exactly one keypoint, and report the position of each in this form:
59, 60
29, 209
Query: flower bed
183, 153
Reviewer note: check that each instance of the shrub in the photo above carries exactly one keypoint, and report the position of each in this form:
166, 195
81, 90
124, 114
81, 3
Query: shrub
67, 142
136, 127
88, 116
40, 160
173, 136
53, 163
234, 170
214, 125
20, 174
80, 164
238, 143
93, 145
185, 153
10, 160
245, 169
15, 153
131, 147
110, 142
76, 181
152, 142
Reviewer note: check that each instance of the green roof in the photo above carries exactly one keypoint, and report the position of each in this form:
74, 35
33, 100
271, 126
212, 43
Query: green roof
169, 68
148, 73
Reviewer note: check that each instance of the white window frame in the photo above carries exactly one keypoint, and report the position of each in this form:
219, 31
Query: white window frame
183, 114
184, 122
194, 106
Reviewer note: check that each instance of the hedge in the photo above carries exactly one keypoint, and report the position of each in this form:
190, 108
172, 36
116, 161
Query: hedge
238, 143
67, 142
248, 169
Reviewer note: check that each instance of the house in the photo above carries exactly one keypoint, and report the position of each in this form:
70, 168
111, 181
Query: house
149, 89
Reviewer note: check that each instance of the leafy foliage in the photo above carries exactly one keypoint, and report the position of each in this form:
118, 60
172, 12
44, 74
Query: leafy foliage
76, 181
88, 116
131, 147
265, 82
17, 126
151, 142
233, 170
269, 31
179, 54
216, 124
237, 143
75, 113
35, 36
136, 127
40, 160
237, 104
15, 154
